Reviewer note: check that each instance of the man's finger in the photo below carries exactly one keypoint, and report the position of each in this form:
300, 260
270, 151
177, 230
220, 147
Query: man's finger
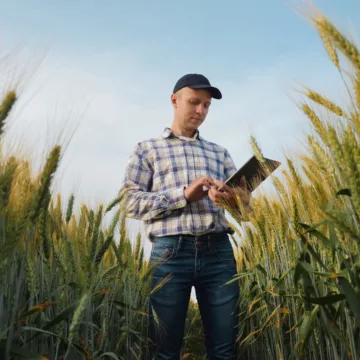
209, 179
216, 194
227, 188
212, 190
243, 183
219, 185
211, 195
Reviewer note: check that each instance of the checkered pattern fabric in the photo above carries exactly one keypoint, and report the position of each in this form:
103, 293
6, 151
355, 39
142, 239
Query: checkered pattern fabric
158, 171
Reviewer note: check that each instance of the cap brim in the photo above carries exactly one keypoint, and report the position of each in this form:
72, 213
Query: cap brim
215, 92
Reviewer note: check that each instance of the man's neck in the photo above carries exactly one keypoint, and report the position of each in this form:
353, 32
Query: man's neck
182, 132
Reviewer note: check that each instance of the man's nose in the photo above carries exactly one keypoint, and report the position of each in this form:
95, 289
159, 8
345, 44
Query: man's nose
200, 109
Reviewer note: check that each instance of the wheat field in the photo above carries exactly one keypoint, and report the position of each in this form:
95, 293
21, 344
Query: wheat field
73, 288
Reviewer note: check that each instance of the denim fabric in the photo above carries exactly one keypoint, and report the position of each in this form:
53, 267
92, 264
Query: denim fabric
207, 263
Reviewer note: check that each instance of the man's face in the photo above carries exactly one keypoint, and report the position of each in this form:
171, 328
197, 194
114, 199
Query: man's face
191, 107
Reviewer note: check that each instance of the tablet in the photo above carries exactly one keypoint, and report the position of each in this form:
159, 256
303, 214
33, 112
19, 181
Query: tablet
254, 173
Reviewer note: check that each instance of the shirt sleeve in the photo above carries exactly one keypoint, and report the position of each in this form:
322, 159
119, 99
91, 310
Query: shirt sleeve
229, 166
231, 169
139, 201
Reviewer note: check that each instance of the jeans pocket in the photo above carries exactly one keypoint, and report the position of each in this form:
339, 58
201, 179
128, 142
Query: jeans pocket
162, 251
224, 251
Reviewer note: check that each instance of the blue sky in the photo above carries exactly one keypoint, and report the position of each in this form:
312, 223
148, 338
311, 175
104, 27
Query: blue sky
228, 34
110, 67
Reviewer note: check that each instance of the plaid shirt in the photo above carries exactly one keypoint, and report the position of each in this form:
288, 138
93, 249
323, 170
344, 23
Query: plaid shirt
157, 173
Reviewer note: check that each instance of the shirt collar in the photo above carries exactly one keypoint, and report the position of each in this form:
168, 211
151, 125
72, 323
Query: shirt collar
169, 133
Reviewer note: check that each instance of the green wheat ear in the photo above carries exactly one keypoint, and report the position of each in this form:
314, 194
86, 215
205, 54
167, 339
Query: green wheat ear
5, 108
69, 208
77, 317
256, 150
6, 181
51, 165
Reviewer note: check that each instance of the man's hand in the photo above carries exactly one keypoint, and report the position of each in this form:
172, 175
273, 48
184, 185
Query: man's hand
195, 190
223, 195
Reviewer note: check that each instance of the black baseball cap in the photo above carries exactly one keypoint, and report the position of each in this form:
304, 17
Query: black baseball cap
197, 81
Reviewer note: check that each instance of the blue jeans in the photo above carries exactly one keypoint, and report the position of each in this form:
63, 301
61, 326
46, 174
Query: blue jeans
207, 263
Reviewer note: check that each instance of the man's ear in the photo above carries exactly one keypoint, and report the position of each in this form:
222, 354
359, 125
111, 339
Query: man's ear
173, 100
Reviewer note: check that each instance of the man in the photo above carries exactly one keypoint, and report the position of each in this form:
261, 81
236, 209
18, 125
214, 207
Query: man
175, 184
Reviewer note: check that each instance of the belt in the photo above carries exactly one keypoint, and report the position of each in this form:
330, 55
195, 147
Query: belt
203, 237
198, 240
